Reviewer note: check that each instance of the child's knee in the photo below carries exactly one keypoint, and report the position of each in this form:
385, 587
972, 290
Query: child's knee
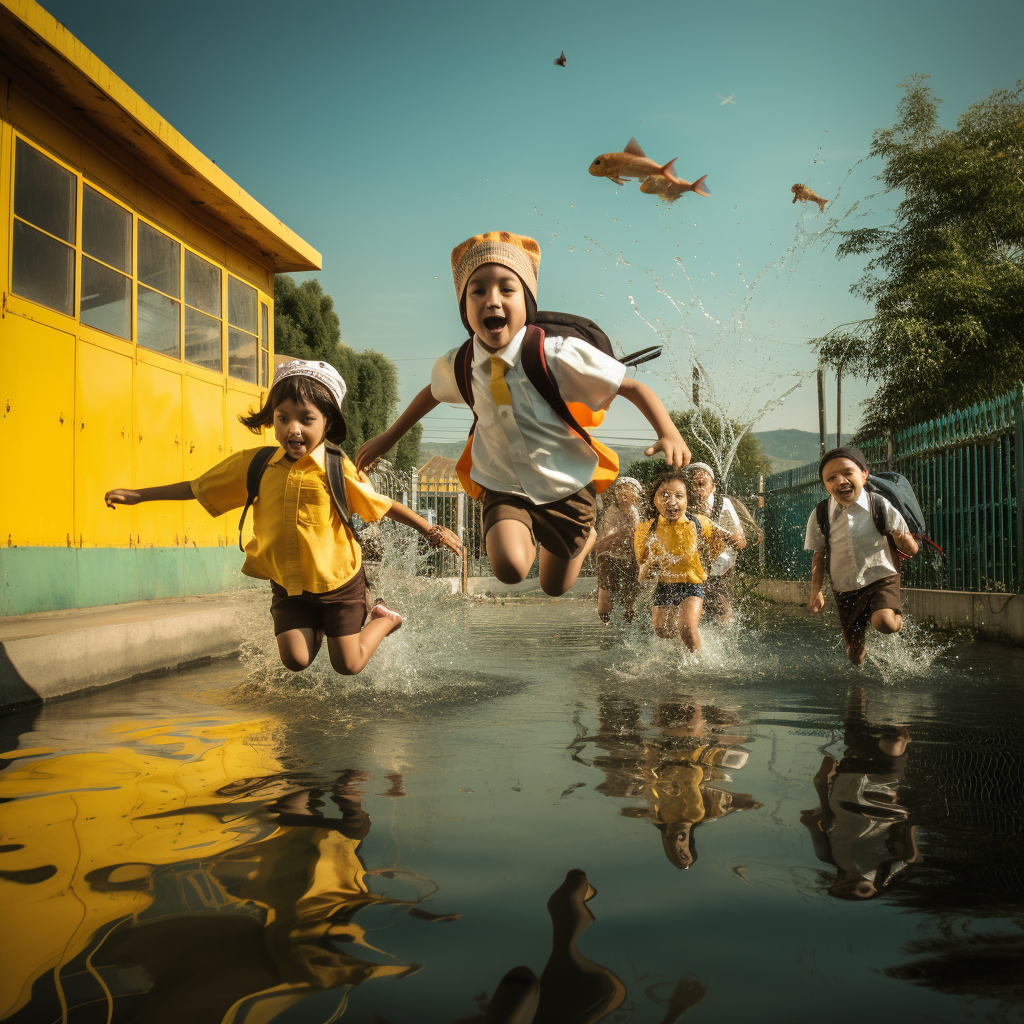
343, 666
555, 588
294, 663
885, 620
506, 571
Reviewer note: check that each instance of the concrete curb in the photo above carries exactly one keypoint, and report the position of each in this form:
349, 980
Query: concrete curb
998, 616
42, 667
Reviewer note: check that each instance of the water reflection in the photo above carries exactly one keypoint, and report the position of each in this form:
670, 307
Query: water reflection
177, 874
861, 828
675, 763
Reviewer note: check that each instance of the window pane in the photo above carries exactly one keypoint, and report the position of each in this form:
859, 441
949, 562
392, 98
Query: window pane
202, 338
242, 349
44, 269
202, 285
106, 230
159, 319
44, 193
264, 361
106, 299
159, 260
264, 326
241, 305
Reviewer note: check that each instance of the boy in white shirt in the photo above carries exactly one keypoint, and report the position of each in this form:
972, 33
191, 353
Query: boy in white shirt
700, 490
861, 560
534, 474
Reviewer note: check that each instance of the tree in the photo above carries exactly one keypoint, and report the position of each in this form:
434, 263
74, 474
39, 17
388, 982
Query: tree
306, 326
709, 442
946, 277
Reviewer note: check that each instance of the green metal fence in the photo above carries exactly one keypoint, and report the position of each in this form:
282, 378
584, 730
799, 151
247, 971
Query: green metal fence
967, 470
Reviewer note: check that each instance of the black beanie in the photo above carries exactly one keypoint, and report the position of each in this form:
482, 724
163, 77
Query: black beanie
847, 452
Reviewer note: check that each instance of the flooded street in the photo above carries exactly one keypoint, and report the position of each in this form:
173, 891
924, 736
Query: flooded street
770, 833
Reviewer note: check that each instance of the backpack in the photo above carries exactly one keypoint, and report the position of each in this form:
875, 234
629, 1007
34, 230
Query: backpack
335, 480
536, 369
899, 492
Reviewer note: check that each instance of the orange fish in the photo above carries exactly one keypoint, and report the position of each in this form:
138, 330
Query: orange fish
805, 195
560, 61
670, 188
632, 162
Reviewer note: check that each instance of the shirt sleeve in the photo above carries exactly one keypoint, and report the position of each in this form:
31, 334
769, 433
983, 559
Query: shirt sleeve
583, 373
640, 540
442, 380
222, 488
363, 500
894, 522
814, 540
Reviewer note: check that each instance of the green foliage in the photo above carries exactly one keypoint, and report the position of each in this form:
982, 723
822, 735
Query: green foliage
709, 440
306, 326
946, 278
406, 454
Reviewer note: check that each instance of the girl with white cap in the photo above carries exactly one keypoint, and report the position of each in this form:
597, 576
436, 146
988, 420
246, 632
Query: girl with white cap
302, 541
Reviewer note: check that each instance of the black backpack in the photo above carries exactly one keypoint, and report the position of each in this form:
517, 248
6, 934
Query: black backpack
335, 479
568, 325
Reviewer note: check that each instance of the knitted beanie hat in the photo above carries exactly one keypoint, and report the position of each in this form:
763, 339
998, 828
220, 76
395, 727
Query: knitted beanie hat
517, 252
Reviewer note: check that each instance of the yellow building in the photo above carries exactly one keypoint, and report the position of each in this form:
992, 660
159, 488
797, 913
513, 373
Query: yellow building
136, 325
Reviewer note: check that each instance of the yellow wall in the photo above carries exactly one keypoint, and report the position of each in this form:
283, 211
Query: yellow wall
82, 411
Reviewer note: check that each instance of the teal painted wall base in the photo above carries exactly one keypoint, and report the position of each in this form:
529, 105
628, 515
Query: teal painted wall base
54, 579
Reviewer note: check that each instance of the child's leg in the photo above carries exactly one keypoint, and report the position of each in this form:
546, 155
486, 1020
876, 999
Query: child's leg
349, 654
604, 605
298, 647
885, 620
666, 620
557, 575
511, 550
689, 616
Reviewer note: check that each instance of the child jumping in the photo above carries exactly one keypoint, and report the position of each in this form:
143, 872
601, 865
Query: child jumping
858, 551
302, 540
668, 547
533, 472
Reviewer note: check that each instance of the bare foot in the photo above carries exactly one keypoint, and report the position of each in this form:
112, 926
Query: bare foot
381, 611
604, 617
856, 652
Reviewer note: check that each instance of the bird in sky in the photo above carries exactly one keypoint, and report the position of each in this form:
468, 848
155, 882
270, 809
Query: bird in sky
560, 61
726, 99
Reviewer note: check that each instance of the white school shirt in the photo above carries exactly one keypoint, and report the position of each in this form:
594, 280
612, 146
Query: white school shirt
860, 554
728, 520
527, 449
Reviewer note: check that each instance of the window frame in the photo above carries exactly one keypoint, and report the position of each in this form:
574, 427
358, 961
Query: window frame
72, 323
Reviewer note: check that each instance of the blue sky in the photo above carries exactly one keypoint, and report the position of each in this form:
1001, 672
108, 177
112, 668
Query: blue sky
384, 134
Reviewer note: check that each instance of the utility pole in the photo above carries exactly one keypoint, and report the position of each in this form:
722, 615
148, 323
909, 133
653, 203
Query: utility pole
821, 409
839, 407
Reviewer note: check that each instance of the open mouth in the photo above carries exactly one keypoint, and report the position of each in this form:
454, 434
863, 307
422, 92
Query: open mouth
671, 513
495, 323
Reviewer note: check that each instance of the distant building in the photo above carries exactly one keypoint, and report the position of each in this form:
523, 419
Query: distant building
137, 323
438, 474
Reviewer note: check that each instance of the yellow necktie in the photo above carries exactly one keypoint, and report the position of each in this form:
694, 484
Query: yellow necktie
499, 389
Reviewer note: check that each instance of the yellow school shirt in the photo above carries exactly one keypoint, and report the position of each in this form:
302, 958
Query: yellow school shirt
299, 540
677, 541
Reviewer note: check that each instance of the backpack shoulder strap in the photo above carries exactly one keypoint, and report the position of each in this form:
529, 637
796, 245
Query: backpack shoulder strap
253, 476
539, 375
821, 514
878, 518
464, 371
334, 461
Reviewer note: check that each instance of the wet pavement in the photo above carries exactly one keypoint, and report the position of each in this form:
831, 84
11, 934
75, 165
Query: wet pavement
765, 833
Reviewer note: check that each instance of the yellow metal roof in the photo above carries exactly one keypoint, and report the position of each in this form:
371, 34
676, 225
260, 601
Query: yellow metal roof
53, 57
438, 468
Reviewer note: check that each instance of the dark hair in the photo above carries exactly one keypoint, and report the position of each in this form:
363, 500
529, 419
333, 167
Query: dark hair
299, 389
531, 304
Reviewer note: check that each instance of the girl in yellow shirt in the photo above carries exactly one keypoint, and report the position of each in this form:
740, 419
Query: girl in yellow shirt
668, 548
300, 541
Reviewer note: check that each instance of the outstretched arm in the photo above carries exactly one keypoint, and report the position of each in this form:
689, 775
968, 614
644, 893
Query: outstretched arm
168, 492
817, 601
436, 535
669, 439
373, 449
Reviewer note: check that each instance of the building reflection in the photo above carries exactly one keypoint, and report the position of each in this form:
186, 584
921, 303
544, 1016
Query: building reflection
179, 874
676, 763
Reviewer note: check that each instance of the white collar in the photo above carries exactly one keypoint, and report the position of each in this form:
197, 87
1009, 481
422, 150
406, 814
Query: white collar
509, 355
863, 500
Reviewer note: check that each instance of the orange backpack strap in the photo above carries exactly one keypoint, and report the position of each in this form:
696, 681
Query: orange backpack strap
464, 381
538, 372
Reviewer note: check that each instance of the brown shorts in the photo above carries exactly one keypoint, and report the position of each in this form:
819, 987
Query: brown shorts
561, 527
338, 612
618, 576
855, 607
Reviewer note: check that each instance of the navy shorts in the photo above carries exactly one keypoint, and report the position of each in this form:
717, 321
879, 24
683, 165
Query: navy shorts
676, 593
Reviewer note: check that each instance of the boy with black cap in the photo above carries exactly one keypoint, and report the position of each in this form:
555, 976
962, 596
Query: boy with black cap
861, 560
536, 476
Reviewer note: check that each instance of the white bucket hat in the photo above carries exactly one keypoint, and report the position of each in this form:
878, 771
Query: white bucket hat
319, 371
